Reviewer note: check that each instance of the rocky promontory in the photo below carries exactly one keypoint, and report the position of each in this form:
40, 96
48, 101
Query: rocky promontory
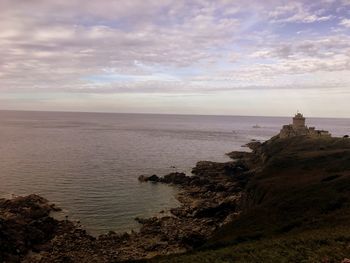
282, 187
294, 205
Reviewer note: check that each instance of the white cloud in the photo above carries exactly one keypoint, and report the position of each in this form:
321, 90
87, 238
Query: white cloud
296, 12
345, 23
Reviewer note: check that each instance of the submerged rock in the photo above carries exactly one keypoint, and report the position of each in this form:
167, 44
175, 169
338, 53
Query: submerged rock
145, 178
153, 178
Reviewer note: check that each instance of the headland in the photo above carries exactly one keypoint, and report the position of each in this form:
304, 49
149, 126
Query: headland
287, 200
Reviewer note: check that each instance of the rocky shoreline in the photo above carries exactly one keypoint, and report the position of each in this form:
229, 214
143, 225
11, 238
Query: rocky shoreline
210, 198
220, 204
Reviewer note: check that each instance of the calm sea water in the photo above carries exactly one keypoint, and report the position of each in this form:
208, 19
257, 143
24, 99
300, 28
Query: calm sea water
88, 163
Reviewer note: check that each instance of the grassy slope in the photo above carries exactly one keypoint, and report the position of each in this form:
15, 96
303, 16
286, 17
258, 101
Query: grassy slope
297, 209
309, 246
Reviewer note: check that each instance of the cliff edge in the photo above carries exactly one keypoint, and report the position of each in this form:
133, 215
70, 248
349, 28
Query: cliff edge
296, 205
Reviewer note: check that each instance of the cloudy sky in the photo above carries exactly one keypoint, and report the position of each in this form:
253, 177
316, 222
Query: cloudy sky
175, 56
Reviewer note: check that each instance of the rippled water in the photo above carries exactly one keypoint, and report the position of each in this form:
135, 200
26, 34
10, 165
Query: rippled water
88, 163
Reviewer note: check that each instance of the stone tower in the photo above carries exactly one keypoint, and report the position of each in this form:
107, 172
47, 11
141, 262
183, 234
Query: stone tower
298, 128
299, 121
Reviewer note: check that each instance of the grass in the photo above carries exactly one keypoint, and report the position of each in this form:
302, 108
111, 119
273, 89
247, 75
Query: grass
297, 208
326, 245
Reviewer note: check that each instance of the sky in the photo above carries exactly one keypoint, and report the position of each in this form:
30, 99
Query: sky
221, 57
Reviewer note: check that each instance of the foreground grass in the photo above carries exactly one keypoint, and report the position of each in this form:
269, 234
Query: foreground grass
326, 245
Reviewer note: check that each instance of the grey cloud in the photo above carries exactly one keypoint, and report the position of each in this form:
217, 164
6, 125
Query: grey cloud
56, 45
317, 47
42, 43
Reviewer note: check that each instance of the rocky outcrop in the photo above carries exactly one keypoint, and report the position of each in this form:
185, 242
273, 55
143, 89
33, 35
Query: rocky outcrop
25, 225
239, 154
209, 199
172, 178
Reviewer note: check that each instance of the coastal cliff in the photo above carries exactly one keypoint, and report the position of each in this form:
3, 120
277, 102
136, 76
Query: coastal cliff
286, 201
296, 206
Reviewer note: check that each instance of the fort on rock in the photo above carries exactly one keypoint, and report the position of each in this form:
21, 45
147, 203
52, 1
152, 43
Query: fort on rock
298, 128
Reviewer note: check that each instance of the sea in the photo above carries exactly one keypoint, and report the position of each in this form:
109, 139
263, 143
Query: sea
88, 163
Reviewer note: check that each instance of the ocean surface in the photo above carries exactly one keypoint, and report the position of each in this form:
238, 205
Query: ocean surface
88, 163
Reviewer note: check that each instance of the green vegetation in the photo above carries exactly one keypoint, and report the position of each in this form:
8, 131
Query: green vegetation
326, 245
297, 207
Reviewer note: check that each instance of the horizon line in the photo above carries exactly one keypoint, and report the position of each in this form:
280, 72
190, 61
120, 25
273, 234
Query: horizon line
171, 114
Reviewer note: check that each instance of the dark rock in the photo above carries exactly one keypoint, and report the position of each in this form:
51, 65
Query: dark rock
330, 178
176, 178
254, 145
179, 212
152, 178
143, 178
65, 259
193, 239
141, 220
218, 211
239, 154
25, 225
197, 181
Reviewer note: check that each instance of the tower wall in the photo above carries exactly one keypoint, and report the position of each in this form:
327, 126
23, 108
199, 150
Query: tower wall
298, 122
